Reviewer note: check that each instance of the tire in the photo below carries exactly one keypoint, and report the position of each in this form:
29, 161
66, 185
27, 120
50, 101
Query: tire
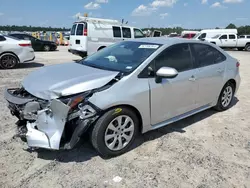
8, 61
105, 135
247, 48
46, 48
226, 97
240, 49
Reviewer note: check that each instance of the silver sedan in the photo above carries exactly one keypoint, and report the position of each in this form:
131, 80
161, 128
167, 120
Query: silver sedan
128, 88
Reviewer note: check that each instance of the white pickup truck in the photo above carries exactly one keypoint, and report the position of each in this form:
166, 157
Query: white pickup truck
230, 41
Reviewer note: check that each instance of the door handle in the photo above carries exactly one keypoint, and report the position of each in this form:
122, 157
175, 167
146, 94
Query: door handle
192, 78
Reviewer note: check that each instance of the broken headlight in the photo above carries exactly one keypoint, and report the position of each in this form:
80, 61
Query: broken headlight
86, 111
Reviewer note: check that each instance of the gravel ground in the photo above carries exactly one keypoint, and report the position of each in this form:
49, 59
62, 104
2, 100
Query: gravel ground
206, 150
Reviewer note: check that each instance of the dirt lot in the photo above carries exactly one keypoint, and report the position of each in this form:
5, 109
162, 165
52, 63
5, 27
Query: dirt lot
207, 150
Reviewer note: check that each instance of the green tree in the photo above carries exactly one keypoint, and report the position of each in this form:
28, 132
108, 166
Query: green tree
231, 26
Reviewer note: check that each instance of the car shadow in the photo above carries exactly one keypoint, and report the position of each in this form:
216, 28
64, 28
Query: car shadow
84, 150
29, 65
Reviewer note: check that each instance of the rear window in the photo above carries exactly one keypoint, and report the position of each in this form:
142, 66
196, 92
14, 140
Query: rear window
232, 37
73, 30
79, 30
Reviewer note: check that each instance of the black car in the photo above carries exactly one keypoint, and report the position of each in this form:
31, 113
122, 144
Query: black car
37, 44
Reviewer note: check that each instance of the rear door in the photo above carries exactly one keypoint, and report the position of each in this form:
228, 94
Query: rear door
211, 67
78, 37
232, 42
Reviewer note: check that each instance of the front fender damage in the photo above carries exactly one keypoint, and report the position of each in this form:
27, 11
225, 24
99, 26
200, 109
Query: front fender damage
46, 131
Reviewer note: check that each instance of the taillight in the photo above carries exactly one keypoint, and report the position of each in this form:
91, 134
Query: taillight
85, 32
237, 64
24, 45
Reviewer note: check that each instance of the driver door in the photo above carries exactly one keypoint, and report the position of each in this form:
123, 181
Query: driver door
174, 96
224, 41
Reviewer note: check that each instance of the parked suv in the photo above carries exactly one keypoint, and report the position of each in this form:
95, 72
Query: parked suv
128, 88
37, 44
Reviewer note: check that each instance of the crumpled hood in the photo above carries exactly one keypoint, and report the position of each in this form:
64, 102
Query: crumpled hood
66, 79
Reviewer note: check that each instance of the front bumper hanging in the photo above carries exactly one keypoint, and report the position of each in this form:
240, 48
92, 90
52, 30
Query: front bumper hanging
46, 129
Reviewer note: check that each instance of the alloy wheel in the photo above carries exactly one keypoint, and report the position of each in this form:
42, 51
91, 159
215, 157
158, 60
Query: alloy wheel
119, 132
8, 61
227, 96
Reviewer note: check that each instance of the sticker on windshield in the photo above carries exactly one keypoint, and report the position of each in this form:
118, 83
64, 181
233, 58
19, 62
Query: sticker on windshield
129, 67
149, 46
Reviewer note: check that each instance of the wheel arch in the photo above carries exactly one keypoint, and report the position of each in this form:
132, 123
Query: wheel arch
232, 81
101, 47
134, 109
10, 53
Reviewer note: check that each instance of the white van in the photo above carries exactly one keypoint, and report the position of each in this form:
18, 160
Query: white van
92, 34
209, 33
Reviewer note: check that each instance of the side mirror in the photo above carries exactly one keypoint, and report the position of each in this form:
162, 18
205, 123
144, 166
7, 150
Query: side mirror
165, 72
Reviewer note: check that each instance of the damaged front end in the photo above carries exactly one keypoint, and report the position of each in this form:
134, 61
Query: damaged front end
52, 124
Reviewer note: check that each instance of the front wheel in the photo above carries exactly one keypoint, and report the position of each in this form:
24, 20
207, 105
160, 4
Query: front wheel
114, 132
226, 97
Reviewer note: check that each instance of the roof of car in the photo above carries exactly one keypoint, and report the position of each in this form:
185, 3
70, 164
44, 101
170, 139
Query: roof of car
166, 40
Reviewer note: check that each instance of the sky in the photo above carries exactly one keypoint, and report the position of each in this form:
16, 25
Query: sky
189, 14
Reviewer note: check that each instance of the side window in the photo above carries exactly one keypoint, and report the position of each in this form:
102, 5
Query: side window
223, 37
177, 56
186, 36
79, 30
248, 37
207, 55
138, 33
2, 38
117, 32
232, 37
218, 56
126, 32
242, 37
202, 36
73, 30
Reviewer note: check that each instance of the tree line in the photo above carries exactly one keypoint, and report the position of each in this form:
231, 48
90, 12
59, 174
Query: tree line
165, 31
30, 28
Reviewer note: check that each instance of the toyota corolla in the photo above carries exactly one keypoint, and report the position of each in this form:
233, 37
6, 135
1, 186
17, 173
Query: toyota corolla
127, 88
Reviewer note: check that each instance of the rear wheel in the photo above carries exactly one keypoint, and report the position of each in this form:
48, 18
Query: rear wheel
114, 132
247, 48
46, 48
8, 61
226, 97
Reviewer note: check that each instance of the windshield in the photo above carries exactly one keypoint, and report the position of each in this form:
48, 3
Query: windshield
216, 36
124, 56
